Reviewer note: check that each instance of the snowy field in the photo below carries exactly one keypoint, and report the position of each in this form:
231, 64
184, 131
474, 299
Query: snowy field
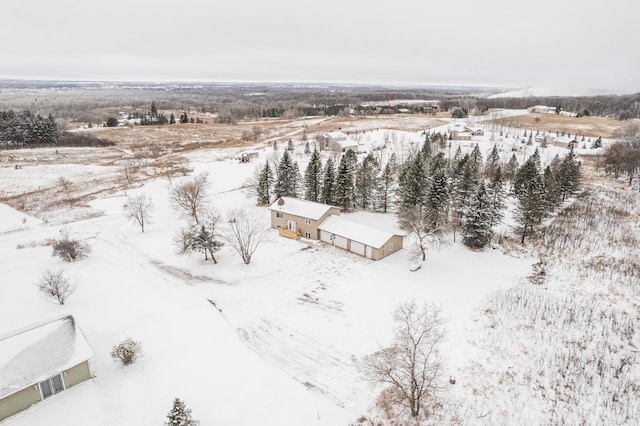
276, 342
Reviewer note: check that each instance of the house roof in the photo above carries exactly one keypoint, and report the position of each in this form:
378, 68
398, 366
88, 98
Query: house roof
347, 143
355, 231
303, 208
336, 135
33, 353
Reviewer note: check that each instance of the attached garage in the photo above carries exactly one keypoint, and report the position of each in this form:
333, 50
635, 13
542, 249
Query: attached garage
339, 241
357, 247
360, 239
333, 239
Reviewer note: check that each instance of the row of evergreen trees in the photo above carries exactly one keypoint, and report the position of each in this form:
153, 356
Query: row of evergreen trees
349, 184
430, 192
25, 128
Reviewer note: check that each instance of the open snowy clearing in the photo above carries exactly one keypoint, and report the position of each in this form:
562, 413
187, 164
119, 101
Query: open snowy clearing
278, 341
274, 342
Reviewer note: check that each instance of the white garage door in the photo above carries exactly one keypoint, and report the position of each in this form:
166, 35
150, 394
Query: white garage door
326, 236
357, 247
340, 242
369, 252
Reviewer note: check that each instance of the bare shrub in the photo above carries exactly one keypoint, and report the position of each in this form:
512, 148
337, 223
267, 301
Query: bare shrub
56, 285
127, 351
70, 250
64, 183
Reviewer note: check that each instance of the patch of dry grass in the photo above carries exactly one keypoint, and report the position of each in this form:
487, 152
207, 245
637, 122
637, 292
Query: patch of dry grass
552, 123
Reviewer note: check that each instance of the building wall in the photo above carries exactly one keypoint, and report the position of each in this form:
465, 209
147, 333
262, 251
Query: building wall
25, 398
19, 401
77, 374
301, 225
379, 253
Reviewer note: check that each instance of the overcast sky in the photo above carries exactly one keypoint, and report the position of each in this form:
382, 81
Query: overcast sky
561, 44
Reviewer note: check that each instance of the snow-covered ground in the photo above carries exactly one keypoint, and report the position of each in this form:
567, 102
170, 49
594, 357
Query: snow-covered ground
276, 342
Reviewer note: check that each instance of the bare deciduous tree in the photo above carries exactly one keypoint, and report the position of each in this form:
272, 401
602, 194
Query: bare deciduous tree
424, 237
139, 209
202, 237
410, 369
55, 284
190, 195
127, 172
245, 232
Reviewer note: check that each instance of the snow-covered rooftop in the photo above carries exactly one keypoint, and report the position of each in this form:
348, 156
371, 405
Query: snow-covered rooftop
40, 350
303, 208
347, 143
355, 231
336, 135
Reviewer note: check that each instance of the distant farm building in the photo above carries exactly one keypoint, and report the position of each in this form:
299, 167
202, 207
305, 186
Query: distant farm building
247, 156
296, 218
40, 361
543, 109
335, 137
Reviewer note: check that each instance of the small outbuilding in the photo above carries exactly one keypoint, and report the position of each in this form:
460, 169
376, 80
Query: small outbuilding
40, 361
361, 239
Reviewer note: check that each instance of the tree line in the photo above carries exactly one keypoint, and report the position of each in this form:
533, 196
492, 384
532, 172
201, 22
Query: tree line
25, 128
432, 194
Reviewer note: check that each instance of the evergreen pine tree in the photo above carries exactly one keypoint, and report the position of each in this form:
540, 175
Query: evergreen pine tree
463, 184
180, 415
436, 201
412, 183
385, 189
172, 119
344, 194
493, 162
528, 189
307, 149
393, 163
366, 181
552, 194
496, 194
476, 160
511, 168
329, 183
288, 177
264, 184
313, 178
154, 109
426, 148
568, 175
476, 220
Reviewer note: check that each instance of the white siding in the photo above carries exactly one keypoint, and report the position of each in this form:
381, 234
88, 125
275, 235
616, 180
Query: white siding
325, 236
357, 248
340, 242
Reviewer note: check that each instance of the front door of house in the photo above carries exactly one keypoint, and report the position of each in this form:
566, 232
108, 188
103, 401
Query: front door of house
291, 225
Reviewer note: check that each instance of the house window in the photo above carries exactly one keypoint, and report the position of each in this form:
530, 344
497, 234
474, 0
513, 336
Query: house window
307, 221
51, 386
279, 215
390, 246
307, 234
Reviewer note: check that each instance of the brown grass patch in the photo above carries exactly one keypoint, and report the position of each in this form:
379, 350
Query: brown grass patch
552, 123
